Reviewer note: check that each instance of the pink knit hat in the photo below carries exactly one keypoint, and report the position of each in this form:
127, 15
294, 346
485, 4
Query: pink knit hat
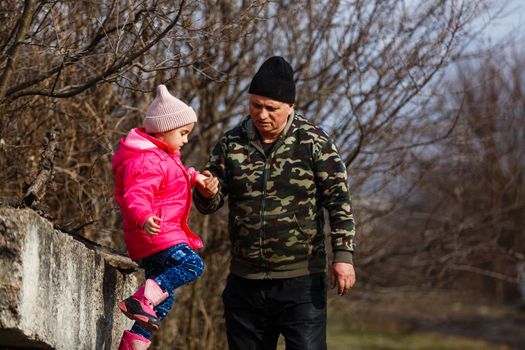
167, 112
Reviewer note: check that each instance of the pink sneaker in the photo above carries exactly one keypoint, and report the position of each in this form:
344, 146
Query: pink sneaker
132, 341
139, 306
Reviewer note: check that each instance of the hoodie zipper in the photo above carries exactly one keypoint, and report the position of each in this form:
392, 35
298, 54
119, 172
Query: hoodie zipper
188, 196
262, 236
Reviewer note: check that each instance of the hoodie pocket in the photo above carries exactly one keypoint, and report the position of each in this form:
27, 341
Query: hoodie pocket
245, 233
289, 236
307, 226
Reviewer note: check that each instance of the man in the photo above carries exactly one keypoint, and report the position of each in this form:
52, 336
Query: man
279, 171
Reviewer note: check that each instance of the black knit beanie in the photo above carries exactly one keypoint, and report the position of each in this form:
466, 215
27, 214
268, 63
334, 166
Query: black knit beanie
274, 79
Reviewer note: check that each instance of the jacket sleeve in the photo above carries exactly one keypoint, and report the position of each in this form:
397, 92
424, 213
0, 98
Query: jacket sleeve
331, 178
217, 166
193, 176
141, 182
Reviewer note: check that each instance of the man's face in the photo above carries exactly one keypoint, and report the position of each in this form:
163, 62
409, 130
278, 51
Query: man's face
269, 116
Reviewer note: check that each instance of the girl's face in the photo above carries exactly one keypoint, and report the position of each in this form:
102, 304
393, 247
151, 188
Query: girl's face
176, 138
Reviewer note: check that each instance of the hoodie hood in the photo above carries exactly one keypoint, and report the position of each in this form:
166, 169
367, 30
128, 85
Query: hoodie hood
137, 141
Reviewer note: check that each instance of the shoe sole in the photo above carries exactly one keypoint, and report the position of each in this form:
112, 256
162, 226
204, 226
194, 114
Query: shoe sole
131, 308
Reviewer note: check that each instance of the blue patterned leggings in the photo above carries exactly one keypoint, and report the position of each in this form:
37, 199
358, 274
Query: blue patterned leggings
170, 268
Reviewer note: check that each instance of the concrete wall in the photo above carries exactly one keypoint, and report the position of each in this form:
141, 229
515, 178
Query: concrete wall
58, 292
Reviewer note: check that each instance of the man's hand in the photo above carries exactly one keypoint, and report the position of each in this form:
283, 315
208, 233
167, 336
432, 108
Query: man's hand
207, 184
342, 275
152, 225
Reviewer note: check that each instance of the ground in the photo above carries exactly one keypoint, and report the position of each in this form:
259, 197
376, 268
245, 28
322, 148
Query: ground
393, 319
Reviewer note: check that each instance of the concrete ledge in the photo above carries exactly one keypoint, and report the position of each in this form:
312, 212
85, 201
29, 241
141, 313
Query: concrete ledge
57, 292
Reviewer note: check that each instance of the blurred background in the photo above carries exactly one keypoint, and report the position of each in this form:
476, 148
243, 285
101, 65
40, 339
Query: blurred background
425, 100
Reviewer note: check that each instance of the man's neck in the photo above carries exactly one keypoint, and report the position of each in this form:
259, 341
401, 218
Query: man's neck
271, 138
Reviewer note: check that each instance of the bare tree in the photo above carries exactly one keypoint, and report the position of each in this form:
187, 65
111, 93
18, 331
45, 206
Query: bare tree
466, 215
88, 69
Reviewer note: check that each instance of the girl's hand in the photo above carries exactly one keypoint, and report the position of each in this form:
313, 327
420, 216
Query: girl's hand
207, 184
152, 225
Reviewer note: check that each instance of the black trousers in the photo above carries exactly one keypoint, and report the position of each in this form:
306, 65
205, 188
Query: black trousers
258, 311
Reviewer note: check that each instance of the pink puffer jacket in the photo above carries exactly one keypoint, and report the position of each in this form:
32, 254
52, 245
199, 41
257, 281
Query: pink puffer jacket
150, 179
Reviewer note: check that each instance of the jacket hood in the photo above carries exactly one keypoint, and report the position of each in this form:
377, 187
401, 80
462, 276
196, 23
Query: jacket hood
137, 141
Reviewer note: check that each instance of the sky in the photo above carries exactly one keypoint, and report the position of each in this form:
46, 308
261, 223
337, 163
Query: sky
510, 19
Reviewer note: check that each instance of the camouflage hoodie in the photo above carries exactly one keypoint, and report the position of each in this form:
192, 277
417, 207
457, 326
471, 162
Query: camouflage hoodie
276, 203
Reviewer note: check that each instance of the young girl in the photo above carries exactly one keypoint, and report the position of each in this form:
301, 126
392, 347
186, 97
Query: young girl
153, 190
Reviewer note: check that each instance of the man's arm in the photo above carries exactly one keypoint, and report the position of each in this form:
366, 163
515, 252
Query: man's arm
331, 178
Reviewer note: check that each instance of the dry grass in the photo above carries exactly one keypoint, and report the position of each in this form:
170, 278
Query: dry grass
408, 319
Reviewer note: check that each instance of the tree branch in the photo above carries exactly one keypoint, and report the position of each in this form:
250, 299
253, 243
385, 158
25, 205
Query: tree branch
13, 52
37, 188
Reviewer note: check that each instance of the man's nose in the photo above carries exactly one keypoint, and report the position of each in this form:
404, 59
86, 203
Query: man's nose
263, 114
